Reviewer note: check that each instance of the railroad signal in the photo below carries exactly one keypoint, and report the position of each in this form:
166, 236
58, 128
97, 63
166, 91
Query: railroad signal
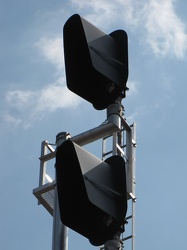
96, 63
92, 193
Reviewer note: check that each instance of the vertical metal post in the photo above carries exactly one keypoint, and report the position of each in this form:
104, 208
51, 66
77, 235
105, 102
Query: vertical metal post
134, 183
131, 181
60, 231
114, 113
114, 147
43, 164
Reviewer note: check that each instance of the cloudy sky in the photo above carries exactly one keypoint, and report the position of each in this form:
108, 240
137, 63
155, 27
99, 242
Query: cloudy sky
35, 105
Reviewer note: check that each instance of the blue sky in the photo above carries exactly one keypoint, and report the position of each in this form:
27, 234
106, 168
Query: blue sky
35, 105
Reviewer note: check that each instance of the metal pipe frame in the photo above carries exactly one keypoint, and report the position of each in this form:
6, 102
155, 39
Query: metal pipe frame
114, 126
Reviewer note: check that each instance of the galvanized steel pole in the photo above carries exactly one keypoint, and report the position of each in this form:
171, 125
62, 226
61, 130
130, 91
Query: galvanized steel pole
60, 231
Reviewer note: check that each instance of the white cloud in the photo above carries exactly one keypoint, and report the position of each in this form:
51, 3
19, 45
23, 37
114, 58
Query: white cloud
20, 99
31, 106
165, 31
156, 22
133, 88
52, 50
8, 118
27, 106
106, 13
56, 96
